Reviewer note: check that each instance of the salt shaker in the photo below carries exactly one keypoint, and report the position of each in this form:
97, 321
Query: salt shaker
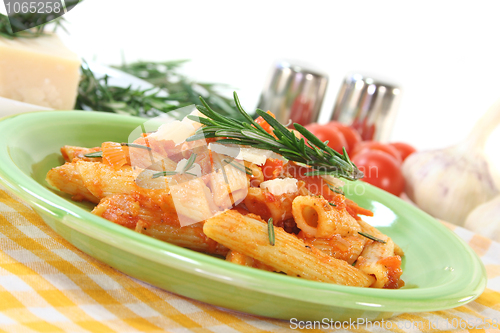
368, 104
294, 92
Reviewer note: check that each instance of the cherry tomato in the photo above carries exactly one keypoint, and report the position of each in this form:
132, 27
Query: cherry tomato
404, 149
335, 138
374, 145
381, 170
351, 135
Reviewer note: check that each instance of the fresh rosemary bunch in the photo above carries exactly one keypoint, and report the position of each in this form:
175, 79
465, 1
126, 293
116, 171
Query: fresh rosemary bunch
180, 88
172, 91
96, 94
322, 159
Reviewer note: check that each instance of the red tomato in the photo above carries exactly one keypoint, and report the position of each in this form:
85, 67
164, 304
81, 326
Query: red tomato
351, 135
404, 149
272, 168
264, 123
381, 170
374, 145
335, 138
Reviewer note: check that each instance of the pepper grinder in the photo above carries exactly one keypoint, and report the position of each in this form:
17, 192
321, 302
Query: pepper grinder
294, 92
368, 104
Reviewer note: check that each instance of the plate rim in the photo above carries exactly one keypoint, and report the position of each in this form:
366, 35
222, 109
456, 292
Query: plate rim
419, 297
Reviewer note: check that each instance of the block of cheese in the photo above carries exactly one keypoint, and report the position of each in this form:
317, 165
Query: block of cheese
40, 71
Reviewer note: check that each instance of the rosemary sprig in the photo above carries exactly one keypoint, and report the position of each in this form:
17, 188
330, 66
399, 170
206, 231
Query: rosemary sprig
270, 231
322, 159
364, 234
97, 94
172, 91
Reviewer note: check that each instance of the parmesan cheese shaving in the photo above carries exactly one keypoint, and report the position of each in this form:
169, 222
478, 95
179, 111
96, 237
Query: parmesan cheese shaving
280, 186
253, 155
176, 131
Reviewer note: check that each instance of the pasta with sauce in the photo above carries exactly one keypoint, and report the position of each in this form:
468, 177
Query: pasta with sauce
202, 199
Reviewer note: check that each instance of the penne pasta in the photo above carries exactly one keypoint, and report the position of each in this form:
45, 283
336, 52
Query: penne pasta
267, 205
71, 152
344, 248
318, 218
192, 199
248, 235
244, 260
102, 180
157, 219
228, 182
371, 259
68, 179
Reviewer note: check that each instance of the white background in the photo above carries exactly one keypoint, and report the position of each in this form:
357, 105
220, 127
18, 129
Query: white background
445, 54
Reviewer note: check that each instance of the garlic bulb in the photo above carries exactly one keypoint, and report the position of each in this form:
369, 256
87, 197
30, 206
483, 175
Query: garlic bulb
485, 219
449, 183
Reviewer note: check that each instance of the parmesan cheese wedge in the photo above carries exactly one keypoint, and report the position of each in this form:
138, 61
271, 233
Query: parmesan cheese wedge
39, 71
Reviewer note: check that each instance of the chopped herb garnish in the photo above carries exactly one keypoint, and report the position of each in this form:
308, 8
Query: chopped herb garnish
94, 154
246, 169
135, 145
332, 204
371, 237
335, 189
164, 173
270, 231
354, 263
187, 167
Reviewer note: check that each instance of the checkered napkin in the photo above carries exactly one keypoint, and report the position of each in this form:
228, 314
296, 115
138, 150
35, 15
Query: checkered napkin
47, 285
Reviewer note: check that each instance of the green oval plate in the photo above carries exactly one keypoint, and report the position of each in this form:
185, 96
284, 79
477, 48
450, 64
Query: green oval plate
440, 270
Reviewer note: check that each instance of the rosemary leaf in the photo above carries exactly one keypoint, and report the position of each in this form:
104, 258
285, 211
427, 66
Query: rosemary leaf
335, 189
189, 163
270, 231
371, 237
135, 145
94, 154
164, 173
240, 167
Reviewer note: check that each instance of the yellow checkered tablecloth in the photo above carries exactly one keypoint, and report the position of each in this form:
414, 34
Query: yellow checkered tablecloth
47, 285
